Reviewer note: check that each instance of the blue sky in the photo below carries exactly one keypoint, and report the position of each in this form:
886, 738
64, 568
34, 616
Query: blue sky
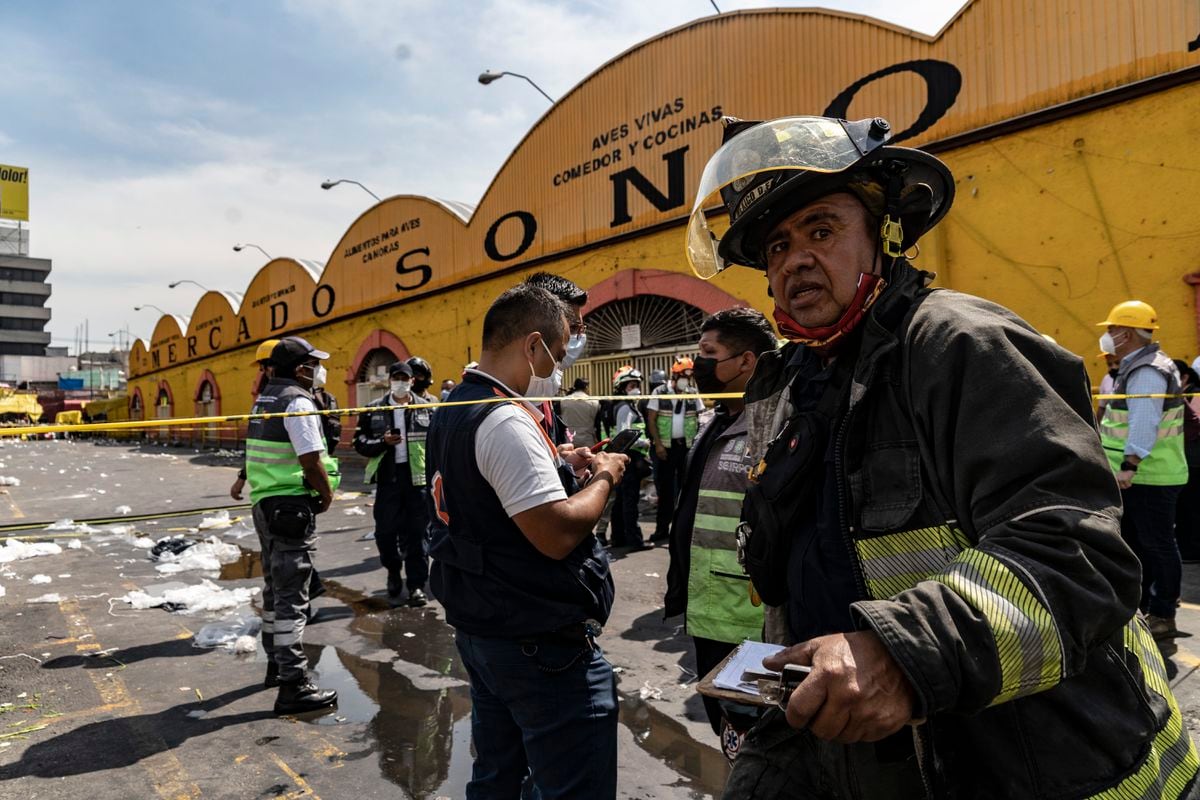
158, 134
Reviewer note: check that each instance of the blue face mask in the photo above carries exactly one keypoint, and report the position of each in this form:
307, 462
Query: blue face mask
575, 347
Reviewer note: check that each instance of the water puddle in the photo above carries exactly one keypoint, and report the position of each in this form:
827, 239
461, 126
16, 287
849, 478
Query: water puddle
248, 566
668, 741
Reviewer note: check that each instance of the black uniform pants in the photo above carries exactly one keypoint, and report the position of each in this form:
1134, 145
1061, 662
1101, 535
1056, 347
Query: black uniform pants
668, 482
401, 528
625, 529
287, 574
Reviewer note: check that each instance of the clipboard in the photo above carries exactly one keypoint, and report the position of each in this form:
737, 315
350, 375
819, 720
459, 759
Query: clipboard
707, 688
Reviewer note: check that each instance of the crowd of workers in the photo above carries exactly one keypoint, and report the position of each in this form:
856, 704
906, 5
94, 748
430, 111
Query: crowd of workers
912, 495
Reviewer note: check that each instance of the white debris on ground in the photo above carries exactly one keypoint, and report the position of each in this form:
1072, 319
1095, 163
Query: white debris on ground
356, 511
239, 531
207, 555
7, 481
37, 580
219, 520
204, 596
16, 550
122, 510
347, 495
74, 544
3, 591
72, 526
649, 692
228, 632
46, 598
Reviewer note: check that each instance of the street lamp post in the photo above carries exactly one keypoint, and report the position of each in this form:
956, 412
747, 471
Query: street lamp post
488, 76
237, 248
328, 184
151, 305
173, 284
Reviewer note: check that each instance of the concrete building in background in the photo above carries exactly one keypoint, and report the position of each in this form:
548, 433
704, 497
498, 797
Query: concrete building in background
24, 313
1070, 128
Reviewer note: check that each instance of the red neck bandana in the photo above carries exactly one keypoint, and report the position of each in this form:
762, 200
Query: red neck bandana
869, 289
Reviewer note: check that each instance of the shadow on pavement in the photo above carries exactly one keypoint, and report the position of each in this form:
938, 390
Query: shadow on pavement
366, 565
172, 648
124, 741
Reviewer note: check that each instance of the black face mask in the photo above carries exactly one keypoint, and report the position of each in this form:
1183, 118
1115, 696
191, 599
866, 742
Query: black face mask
705, 373
1113, 372
420, 385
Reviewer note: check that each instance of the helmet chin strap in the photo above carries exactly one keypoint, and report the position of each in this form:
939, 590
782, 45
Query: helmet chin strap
869, 289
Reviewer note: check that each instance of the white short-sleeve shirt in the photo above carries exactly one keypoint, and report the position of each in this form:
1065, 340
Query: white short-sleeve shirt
305, 432
516, 457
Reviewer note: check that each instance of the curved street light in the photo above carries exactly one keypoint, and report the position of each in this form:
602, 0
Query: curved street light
151, 305
488, 76
173, 284
328, 184
237, 248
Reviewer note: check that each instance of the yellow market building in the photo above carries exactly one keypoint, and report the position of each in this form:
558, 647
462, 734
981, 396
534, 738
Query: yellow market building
1070, 127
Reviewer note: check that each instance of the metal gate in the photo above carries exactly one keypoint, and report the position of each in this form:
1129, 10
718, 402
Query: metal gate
206, 406
372, 378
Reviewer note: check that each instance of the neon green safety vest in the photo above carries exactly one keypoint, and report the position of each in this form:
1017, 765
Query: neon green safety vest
416, 429
665, 409
272, 466
718, 605
639, 424
1166, 465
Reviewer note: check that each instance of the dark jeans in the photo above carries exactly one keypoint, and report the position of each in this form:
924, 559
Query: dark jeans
778, 762
533, 715
1148, 526
668, 482
625, 531
401, 529
1187, 514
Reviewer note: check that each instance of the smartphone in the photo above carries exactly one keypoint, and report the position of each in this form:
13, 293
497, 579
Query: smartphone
623, 441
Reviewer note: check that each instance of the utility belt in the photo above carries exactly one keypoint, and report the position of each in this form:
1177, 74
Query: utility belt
579, 634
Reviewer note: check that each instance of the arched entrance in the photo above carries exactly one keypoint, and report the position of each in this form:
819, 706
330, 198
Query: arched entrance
644, 318
208, 404
367, 377
164, 408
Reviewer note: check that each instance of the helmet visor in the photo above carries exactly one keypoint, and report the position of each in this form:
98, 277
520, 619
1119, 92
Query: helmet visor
810, 144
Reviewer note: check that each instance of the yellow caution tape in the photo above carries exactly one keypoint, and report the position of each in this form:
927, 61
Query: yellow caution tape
179, 422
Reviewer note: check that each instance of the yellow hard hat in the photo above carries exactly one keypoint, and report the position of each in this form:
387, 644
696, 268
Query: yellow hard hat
1132, 314
264, 350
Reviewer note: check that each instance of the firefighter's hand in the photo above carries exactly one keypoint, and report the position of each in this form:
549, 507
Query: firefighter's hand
856, 691
235, 491
612, 463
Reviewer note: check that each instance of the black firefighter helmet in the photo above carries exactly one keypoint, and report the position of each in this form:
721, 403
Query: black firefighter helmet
765, 171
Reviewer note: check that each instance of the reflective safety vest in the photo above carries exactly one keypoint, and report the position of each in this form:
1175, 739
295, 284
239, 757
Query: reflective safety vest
718, 593
665, 409
1166, 465
416, 429
642, 447
272, 466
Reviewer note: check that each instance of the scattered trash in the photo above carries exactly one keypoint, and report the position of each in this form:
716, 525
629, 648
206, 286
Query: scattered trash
618, 670
16, 550
7, 481
648, 692
356, 511
173, 545
368, 537
208, 555
342, 495
409, 634
122, 510
3, 591
65, 575
71, 525
652, 575
204, 596
219, 520
39, 579
245, 644
46, 598
74, 544
197, 713
228, 632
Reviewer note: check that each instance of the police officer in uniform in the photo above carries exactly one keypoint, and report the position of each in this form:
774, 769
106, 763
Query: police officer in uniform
523, 580
394, 441
292, 479
672, 425
626, 532
422, 379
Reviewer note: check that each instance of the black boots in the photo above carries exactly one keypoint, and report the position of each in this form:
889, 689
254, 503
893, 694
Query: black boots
272, 678
395, 589
303, 695
417, 598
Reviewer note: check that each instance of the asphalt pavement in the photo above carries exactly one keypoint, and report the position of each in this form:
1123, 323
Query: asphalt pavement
101, 700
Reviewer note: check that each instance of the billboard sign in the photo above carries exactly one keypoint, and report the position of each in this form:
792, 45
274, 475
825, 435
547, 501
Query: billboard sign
14, 193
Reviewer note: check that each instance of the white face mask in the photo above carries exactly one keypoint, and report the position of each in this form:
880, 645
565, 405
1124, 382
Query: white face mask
401, 388
544, 387
1107, 345
575, 346
683, 385
318, 375
634, 392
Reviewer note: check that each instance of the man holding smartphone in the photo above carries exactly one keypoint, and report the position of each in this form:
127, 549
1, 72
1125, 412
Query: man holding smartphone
292, 479
394, 441
523, 580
